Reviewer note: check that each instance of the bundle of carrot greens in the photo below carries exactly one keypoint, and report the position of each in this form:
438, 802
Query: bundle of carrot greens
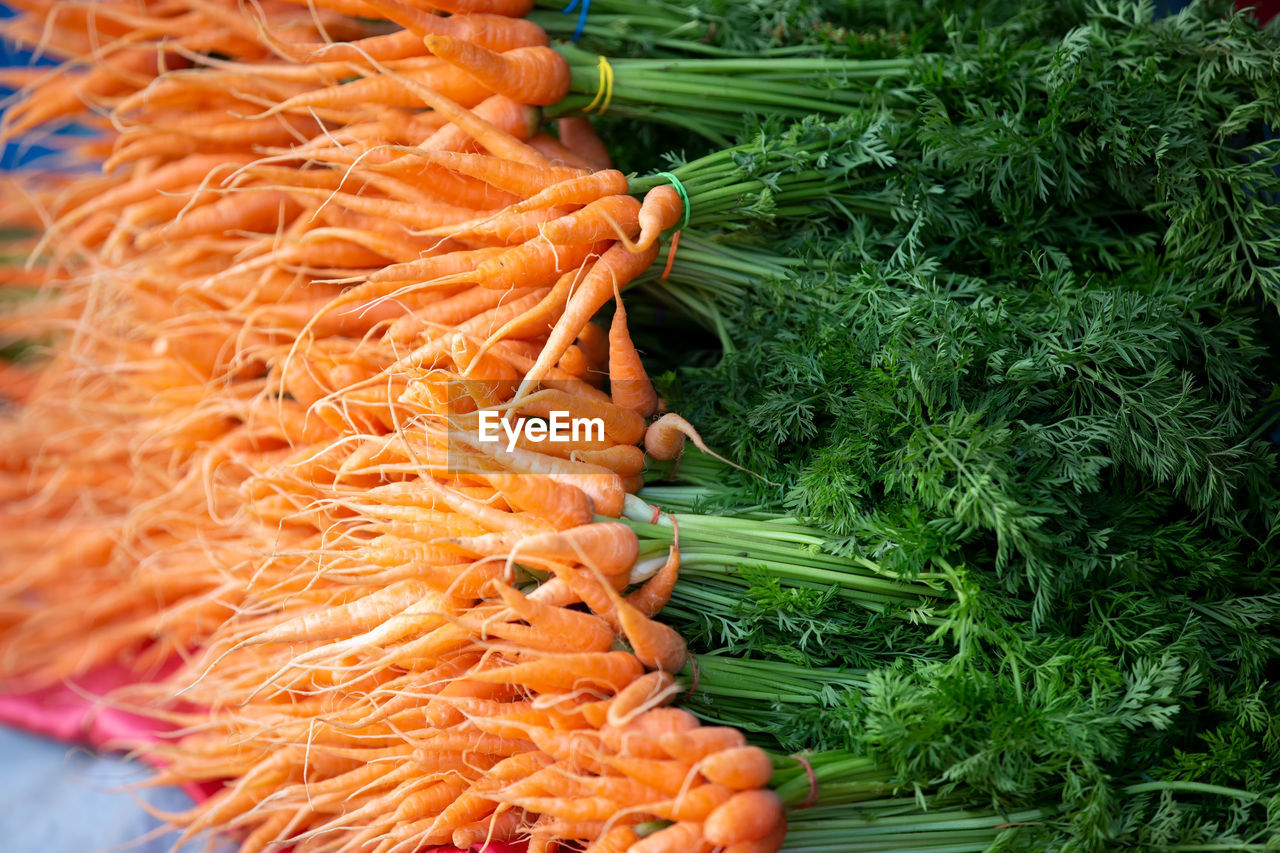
970, 310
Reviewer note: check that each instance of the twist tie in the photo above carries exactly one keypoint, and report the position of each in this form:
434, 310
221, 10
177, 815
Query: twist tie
697, 673
657, 513
582, 17
605, 94
684, 195
813, 782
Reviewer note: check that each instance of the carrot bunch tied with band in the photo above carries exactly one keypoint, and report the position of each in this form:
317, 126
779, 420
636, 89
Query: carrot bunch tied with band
338, 258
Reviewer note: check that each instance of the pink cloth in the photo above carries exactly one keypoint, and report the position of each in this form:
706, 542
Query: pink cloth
68, 714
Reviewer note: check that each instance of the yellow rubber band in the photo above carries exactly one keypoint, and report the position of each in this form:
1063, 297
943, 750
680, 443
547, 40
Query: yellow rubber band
605, 94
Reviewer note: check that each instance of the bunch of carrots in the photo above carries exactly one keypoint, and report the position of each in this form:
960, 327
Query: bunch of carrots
249, 439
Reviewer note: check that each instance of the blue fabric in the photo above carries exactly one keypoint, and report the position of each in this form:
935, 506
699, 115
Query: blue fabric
56, 798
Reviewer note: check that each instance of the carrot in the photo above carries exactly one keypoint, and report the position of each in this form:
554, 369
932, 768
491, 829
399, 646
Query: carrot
437, 181
573, 809
742, 768
397, 45
555, 153
642, 695
771, 843
475, 125
614, 269
429, 801
661, 210
700, 743
415, 214
502, 826
629, 384
616, 788
693, 805
575, 363
605, 218
255, 211
677, 838
624, 460
656, 645
518, 179
396, 89
662, 774
531, 75
621, 425
664, 439
498, 124
747, 816
494, 32
564, 506
577, 189
578, 135
506, 227
594, 342
616, 840
556, 673
609, 547
536, 263
422, 270
553, 628
346, 620
656, 591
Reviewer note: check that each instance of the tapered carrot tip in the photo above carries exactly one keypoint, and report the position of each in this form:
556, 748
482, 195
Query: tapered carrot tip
747, 816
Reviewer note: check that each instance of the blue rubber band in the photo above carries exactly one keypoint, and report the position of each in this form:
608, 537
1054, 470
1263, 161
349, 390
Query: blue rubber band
582, 17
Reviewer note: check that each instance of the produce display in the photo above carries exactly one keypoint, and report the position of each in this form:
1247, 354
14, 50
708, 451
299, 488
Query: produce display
652, 427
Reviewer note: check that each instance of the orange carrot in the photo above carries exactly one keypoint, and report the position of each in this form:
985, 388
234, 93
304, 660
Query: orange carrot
563, 505
512, 120
747, 816
699, 743
645, 693
531, 75
331, 622
556, 673
742, 768
398, 89
624, 460
656, 592
656, 645
556, 153
661, 210
515, 178
494, 32
606, 218
677, 838
580, 137
537, 263
580, 189
771, 843
629, 384
615, 268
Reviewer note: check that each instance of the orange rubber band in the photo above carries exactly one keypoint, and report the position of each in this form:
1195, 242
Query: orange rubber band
813, 782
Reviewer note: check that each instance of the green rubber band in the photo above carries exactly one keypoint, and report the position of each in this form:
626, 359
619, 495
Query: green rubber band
684, 196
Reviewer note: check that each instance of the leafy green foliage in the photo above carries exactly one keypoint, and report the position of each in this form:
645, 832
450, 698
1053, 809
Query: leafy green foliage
1030, 333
